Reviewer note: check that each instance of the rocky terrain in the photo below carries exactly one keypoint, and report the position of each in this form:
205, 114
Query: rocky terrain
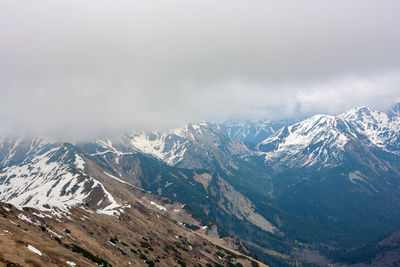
138, 236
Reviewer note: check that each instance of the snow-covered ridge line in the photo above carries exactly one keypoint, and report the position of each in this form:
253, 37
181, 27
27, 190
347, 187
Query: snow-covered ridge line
53, 178
322, 138
163, 146
191, 146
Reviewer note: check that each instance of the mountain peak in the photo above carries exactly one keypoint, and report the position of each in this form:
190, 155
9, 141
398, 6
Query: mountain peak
361, 113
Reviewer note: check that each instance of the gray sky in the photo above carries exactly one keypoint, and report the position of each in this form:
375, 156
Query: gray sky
88, 67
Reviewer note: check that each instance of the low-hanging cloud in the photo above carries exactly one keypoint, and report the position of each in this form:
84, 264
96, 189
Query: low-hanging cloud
83, 68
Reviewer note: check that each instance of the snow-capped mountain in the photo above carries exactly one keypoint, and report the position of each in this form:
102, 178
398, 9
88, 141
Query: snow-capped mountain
322, 139
49, 175
378, 128
194, 146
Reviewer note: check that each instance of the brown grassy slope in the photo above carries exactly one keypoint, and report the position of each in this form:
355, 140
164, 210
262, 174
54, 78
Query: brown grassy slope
140, 237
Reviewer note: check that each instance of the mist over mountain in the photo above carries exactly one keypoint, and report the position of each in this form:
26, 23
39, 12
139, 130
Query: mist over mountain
73, 70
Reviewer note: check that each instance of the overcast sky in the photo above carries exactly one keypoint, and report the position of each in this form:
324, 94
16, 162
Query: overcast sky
90, 67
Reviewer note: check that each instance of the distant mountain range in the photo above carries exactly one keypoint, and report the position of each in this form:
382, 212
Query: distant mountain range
292, 191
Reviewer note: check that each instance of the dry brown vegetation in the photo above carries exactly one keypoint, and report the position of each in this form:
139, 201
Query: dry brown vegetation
139, 237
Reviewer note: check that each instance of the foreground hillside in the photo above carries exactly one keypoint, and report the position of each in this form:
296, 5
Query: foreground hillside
82, 237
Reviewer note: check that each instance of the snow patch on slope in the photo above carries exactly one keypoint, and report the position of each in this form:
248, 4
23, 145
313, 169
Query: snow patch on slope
79, 163
163, 146
34, 250
158, 206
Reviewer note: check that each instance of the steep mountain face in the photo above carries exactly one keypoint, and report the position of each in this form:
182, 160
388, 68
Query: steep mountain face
50, 175
321, 139
317, 140
377, 128
195, 146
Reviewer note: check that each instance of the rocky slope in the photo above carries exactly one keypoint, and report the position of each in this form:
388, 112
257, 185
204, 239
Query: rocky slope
195, 146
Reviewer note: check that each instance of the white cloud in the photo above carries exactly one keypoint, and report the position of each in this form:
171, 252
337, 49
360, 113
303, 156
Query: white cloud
79, 68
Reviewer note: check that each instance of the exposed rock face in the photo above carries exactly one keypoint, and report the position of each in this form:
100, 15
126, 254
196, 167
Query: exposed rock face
235, 203
195, 146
